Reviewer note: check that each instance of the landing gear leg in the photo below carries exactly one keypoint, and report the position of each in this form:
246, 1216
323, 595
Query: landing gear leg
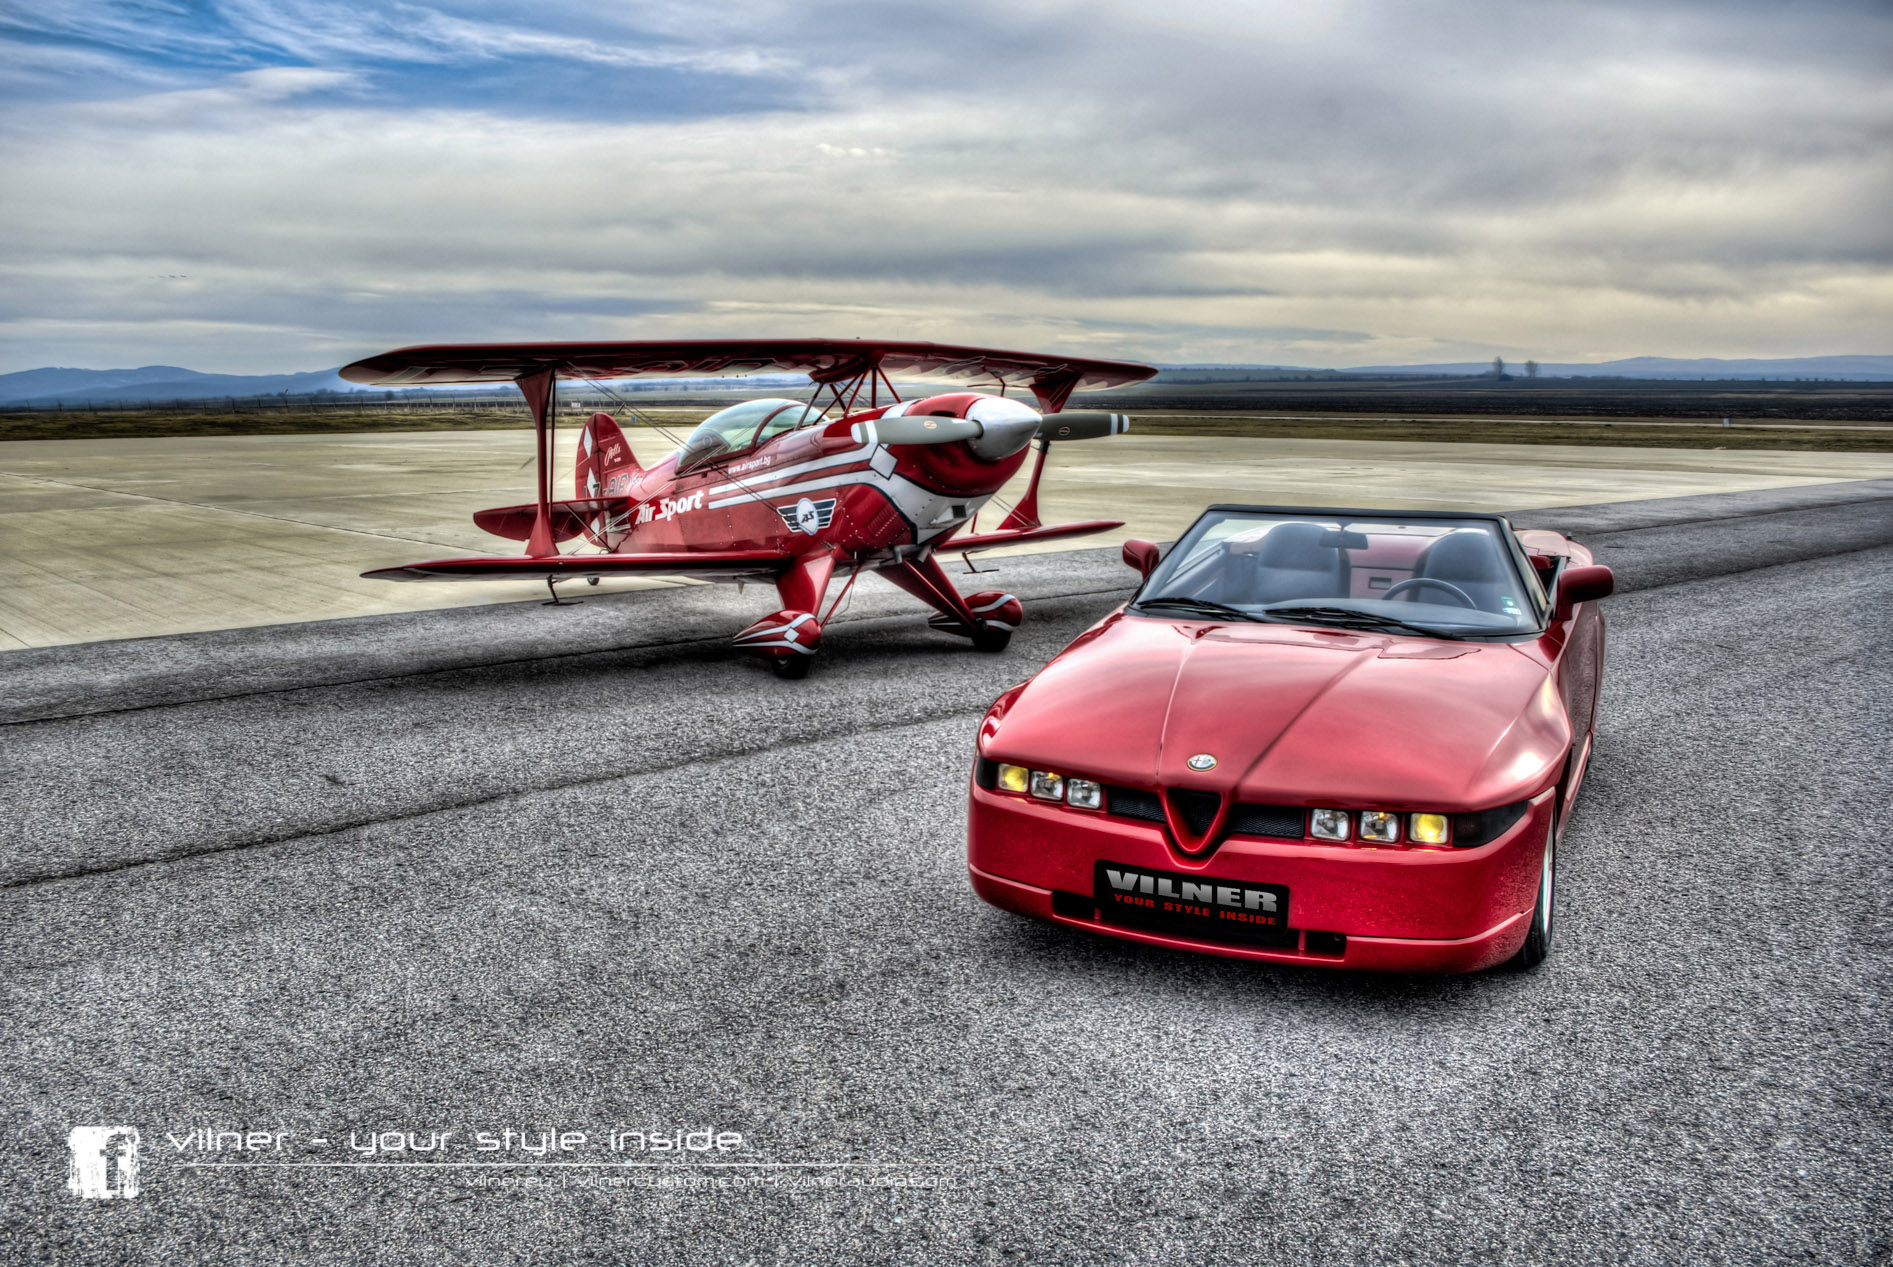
790, 638
987, 619
552, 588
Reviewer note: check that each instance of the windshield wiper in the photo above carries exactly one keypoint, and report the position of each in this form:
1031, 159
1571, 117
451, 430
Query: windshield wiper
1206, 606
1352, 617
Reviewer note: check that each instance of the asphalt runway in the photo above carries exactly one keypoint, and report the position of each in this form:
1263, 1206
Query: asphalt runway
582, 869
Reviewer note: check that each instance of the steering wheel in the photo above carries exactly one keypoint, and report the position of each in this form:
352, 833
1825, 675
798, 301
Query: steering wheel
1414, 582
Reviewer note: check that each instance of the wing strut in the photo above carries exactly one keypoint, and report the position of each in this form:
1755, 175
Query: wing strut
541, 390
1026, 513
1053, 390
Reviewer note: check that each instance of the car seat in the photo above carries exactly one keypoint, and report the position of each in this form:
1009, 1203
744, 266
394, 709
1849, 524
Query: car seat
1470, 562
1291, 563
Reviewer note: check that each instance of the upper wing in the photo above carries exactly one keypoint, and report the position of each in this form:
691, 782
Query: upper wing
707, 565
824, 360
1019, 536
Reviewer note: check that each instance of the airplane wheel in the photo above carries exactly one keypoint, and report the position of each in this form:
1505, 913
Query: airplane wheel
792, 668
992, 640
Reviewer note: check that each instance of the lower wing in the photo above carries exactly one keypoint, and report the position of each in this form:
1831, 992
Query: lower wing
705, 565
1019, 536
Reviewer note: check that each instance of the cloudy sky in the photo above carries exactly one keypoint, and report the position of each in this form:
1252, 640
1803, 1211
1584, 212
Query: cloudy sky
250, 186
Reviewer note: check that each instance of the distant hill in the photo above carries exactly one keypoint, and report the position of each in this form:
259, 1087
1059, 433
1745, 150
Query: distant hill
1855, 368
157, 382
171, 383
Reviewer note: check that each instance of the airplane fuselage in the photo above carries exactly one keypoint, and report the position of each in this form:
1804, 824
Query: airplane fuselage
832, 488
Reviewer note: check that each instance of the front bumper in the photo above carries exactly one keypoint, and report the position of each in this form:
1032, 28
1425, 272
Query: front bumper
1400, 910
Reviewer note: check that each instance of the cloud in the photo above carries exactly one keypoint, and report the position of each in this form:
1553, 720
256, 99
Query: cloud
1364, 181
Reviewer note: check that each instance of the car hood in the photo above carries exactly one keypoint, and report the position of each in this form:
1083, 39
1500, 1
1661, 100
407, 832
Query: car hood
1292, 715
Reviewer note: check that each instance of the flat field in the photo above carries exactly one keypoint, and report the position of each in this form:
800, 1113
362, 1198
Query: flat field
1821, 417
1625, 399
138, 537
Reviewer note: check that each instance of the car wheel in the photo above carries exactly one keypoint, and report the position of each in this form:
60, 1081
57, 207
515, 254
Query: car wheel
992, 639
792, 668
1538, 939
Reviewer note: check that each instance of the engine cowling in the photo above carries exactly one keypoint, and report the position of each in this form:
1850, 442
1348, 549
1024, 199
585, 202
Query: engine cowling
992, 428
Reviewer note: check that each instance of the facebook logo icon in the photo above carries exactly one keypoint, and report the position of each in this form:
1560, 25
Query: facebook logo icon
104, 1162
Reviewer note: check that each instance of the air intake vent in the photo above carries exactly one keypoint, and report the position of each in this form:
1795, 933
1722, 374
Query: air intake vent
1196, 809
1130, 802
1072, 905
1281, 821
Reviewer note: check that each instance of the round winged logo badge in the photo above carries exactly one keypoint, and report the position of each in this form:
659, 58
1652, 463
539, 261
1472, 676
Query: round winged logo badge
1201, 761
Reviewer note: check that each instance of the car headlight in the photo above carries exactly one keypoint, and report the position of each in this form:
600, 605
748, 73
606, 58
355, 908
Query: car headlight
1043, 785
1380, 826
1426, 829
1329, 824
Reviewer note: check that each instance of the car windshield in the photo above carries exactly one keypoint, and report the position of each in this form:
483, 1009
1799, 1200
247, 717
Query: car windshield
1440, 577
740, 427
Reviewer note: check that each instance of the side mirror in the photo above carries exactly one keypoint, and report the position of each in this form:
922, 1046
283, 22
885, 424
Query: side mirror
1582, 585
1140, 557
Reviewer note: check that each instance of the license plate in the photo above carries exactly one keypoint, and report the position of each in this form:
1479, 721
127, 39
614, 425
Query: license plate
1192, 905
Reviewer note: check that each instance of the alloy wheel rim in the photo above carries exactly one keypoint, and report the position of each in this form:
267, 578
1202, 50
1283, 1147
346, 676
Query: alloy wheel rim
1544, 886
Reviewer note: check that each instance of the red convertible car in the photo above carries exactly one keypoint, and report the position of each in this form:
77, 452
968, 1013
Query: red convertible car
1337, 737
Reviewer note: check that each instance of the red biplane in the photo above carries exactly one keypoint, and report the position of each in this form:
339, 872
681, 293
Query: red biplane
778, 489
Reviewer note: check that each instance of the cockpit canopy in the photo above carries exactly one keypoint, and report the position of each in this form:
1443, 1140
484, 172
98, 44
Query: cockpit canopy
743, 427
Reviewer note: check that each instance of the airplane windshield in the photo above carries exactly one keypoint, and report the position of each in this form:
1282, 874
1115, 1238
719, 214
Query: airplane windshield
1442, 576
735, 429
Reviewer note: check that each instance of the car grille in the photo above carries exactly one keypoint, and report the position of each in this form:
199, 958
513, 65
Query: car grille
1279, 822
1130, 802
1282, 821
1196, 809
1198, 812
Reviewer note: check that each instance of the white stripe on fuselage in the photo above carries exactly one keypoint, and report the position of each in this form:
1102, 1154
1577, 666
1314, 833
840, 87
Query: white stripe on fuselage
748, 487
797, 489
917, 504
921, 506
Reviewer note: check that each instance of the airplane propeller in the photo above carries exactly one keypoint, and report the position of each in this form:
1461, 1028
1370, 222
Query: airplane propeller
1077, 424
925, 430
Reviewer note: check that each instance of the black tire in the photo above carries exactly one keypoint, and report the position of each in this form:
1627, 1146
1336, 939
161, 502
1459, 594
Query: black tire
992, 640
1538, 939
792, 668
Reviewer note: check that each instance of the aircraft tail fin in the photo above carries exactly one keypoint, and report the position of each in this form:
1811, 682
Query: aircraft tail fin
605, 462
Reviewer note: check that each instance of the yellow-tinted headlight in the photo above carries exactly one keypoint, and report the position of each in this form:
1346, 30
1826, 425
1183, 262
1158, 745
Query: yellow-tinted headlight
1014, 778
1426, 829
